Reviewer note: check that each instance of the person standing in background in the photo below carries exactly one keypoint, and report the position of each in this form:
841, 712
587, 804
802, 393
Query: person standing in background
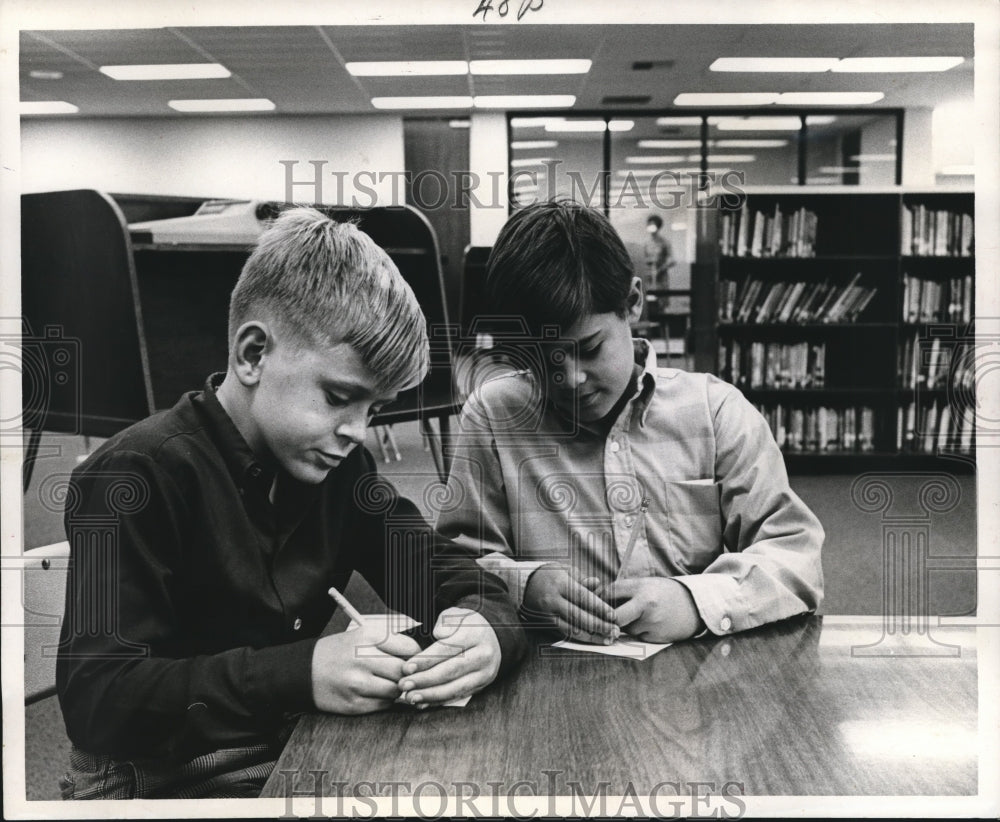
659, 256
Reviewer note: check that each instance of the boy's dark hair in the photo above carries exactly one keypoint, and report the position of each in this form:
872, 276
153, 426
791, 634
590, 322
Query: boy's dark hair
655, 220
556, 262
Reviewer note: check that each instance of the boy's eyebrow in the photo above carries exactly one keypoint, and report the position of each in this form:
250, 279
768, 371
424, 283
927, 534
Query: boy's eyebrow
357, 390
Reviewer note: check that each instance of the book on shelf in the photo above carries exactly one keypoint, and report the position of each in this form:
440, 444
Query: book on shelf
935, 363
820, 429
773, 365
777, 233
758, 302
934, 427
927, 232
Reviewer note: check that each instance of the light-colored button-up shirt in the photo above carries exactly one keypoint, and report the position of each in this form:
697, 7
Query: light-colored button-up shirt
528, 486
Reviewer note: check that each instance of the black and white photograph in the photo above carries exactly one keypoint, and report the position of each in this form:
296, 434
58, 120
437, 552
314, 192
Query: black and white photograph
500, 408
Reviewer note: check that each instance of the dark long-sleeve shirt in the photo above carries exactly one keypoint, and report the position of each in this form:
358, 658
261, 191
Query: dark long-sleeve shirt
194, 602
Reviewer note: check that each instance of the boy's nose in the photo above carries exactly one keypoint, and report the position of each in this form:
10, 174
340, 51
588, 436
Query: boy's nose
353, 427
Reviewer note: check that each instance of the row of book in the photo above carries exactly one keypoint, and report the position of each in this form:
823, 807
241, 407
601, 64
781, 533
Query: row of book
936, 363
926, 300
757, 301
746, 233
936, 232
772, 365
935, 427
821, 430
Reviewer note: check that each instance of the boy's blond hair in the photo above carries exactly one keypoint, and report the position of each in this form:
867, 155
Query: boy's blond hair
328, 282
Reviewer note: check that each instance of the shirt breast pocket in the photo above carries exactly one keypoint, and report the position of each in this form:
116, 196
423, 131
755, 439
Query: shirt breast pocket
694, 523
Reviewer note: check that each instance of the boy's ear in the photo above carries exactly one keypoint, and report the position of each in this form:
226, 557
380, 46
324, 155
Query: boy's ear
634, 301
252, 342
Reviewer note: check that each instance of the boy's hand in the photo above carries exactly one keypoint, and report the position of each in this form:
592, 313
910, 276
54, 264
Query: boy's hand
355, 672
555, 590
465, 659
654, 609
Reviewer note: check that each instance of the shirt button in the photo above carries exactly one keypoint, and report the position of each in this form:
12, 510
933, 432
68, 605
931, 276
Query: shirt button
615, 447
725, 623
297, 624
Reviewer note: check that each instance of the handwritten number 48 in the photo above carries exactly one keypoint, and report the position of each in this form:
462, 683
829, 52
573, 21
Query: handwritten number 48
503, 6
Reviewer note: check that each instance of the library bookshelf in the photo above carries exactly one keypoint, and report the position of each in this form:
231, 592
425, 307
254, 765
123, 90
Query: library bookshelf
846, 318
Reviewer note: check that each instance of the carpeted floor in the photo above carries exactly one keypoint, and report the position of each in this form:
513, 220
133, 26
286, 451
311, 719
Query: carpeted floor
852, 557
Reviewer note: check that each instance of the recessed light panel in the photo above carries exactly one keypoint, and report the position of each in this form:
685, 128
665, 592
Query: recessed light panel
421, 102
408, 68
529, 66
896, 64
48, 107
770, 64
237, 104
167, 71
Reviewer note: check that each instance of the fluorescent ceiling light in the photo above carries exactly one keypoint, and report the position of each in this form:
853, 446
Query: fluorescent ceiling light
42, 74
678, 226
725, 158
709, 170
897, 64
518, 145
819, 180
756, 123
839, 169
822, 120
873, 158
167, 71
521, 162
641, 172
576, 125
957, 171
534, 122
237, 104
669, 144
764, 143
407, 68
524, 101
829, 98
621, 125
459, 123
48, 107
735, 98
786, 64
655, 158
678, 121
529, 66
422, 102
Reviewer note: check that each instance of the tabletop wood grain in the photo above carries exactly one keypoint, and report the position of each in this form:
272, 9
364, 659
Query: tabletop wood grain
795, 708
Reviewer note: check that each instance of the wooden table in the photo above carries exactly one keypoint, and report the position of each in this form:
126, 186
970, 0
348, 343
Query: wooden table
796, 708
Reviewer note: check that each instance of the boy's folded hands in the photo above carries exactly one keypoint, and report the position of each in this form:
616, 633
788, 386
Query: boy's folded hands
561, 593
355, 672
465, 659
654, 609
365, 670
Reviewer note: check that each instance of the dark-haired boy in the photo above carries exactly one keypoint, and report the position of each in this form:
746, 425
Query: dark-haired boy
561, 466
205, 538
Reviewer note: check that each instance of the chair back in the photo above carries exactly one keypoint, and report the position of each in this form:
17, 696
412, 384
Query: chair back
85, 369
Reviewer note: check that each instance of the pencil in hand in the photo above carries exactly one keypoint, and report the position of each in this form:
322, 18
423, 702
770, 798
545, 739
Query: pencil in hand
349, 609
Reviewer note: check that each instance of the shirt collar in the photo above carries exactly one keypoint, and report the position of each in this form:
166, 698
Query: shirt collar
646, 357
241, 461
